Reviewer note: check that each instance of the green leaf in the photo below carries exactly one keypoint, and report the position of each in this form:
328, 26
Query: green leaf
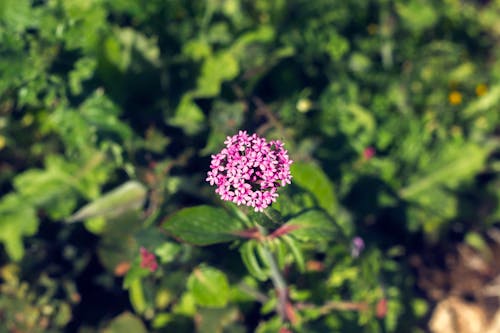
216, 69
136, 272
115, 250
16, 14
313, 226
478, 243
203, 225
128, 196
458, 166
126, 322
296, 252
167, 252
17, 219
426, 18
102, 114
50, 188
209, 287
188, 116
484, 103
312, 178
248, 255
136, 296
217, 320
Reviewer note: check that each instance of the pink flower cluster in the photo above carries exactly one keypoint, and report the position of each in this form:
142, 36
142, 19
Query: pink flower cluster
250, 170
148, 260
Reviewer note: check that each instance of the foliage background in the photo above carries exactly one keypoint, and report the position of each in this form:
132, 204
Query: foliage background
134, 96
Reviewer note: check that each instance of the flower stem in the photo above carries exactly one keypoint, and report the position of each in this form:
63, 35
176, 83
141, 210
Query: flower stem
277, 279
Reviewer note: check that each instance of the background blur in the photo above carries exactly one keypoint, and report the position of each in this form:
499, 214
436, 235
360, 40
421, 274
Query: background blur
393, 104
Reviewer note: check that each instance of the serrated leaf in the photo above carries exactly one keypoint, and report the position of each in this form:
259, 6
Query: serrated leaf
209, 287
127, 197
312, 178
313, 225
203, 225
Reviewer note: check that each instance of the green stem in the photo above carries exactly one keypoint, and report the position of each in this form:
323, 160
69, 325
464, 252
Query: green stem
276, 278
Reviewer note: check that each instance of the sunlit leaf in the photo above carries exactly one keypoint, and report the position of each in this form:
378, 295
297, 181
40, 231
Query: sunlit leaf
128, 196
17, 220
209, 287
126, 322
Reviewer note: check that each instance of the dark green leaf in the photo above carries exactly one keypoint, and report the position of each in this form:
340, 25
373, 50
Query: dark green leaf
312, 178
313, 225
203, 225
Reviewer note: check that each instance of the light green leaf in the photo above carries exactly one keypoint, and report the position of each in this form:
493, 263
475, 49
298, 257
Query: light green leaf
16, 14
50, 188
137, 297
188, 116
167, 252
203, 225
135, 43
463, 164
426, 17
126, 322
312, 178
484, 103
296, 252
209, 287
196, 49
17, 220
216, 69
136, 272
218, 320
127, 197
248, 255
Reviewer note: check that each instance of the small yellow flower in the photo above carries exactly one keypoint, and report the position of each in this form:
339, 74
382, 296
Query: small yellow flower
27, 120
455, 98
481, 89
304, 105
3, 142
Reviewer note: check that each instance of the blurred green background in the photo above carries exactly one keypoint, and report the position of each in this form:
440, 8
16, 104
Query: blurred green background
390, 107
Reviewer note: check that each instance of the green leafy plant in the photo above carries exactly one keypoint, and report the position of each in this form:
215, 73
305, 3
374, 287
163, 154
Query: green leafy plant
110, 111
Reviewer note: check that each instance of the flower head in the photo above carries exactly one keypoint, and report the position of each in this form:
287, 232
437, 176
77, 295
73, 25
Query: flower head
148, 260
249, 170
357, 246
368, 153
455, 97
